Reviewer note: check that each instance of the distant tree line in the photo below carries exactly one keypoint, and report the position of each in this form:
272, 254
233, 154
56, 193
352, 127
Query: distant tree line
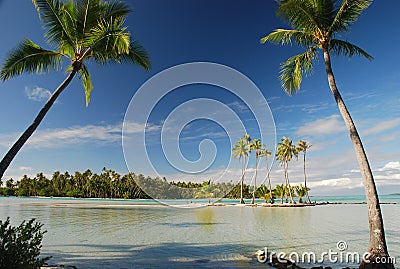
110, 184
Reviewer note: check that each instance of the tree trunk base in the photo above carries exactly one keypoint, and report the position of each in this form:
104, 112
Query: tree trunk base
242, 201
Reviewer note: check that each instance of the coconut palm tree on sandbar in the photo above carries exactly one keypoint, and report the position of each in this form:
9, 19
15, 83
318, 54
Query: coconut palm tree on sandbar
303, 146
79, 31
317, 25
257, 147
266, 153
241, 150
285, 152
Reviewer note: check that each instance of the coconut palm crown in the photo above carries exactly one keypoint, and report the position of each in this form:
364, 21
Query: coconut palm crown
315, 26
79, 31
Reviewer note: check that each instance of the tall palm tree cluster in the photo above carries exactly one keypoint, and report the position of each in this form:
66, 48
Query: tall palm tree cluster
285, 153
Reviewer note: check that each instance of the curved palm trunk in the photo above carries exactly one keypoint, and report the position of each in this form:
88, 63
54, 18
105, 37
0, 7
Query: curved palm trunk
241, 181
305, 178
7, 159
269, 181
288, 184
255, 182
377, 242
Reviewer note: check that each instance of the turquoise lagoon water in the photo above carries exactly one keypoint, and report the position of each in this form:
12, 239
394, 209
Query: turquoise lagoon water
98, 233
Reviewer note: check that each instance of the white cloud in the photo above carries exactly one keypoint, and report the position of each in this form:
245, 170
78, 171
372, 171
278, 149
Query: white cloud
329, 125
390, 166
61, 137
389, 174
383, 126
24, 168
337, 183
37, 94
313, 108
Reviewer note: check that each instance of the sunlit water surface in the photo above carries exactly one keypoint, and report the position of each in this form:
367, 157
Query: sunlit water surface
95, 233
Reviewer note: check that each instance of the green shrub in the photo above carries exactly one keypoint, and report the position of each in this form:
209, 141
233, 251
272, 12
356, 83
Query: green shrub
20, 246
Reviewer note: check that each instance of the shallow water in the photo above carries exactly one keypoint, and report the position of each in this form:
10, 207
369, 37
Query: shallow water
100, 233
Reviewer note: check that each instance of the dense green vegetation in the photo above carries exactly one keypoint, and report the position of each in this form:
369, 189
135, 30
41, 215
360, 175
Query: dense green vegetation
110, 184
20, 246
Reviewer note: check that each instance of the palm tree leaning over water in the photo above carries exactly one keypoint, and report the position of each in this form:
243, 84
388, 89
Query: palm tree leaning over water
79, 30
285, 152
316, 25
257, 147
241, 150
303, 146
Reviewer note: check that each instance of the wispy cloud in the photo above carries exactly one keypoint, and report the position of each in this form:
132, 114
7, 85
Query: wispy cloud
37, 94
74, 135
383, 126
325, 126
337, 183
311, 109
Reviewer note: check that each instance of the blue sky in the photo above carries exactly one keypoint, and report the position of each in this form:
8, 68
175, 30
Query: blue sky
75, 138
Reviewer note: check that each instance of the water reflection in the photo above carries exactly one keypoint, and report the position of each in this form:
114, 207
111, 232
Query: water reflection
98, 234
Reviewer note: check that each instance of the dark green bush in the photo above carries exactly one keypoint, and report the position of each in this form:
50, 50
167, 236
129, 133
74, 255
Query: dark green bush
20, 246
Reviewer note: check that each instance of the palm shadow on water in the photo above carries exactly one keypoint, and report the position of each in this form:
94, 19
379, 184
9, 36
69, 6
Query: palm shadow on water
166, 255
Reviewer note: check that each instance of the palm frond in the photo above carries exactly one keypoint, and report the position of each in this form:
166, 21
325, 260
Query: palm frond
57, 21
86, 81
347, 14
64, 45
29, 57
341, 47
137, 55
88, 13
293, 69
283, 37
108, 40
115, 10
300, 14
324, 12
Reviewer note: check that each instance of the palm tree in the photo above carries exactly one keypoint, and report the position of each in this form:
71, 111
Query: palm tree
301, 192
303, 146
285, 152
266, 153
317, 24
280, 191
257, 147
79, 30
208, 190
241, 151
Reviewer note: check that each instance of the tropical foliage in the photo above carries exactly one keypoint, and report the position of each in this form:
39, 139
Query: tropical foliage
79, 31
110, 184
20, 246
